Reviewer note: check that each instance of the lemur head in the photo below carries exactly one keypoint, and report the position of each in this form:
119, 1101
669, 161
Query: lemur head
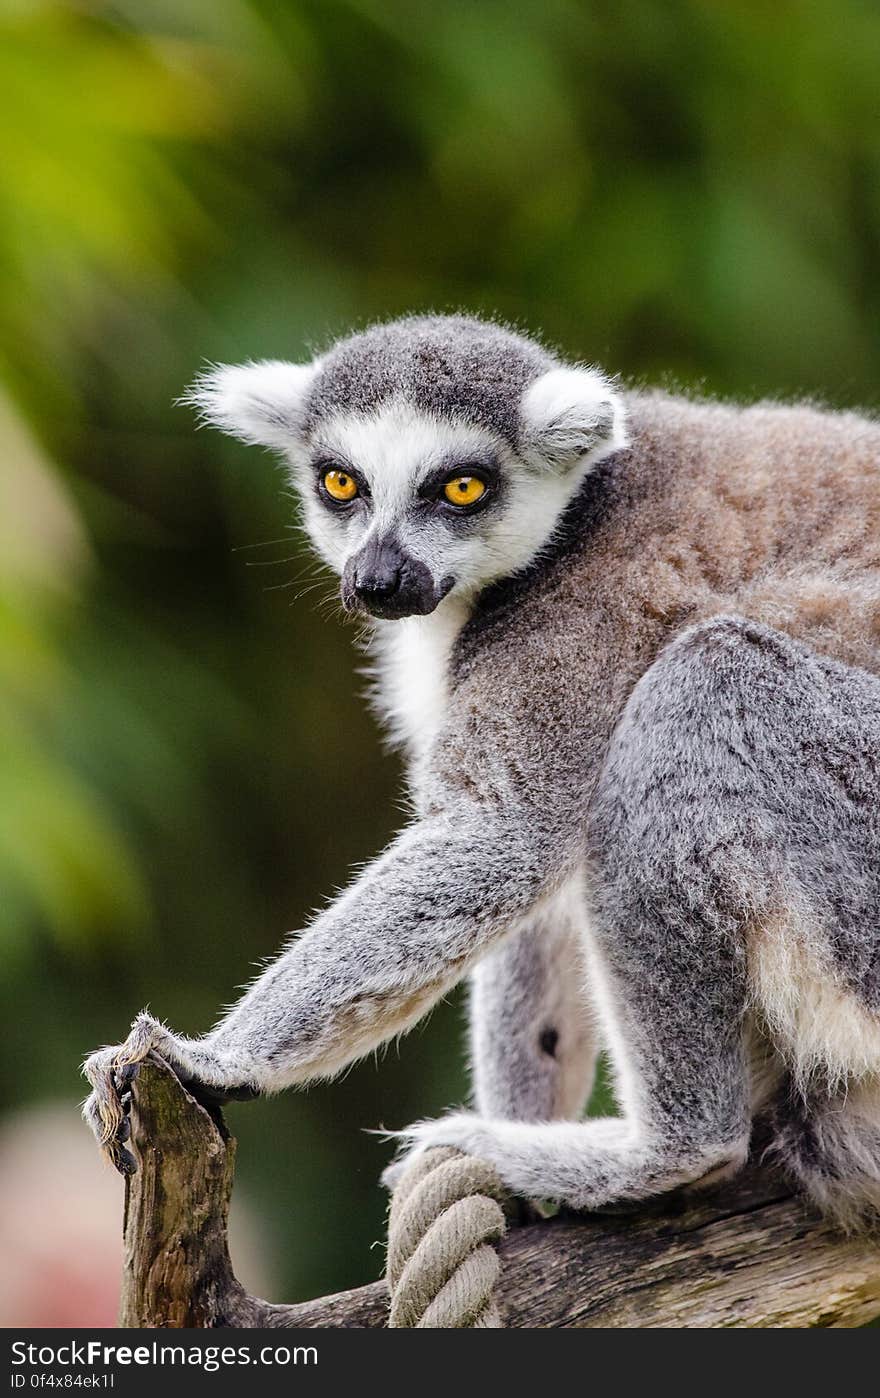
433, 454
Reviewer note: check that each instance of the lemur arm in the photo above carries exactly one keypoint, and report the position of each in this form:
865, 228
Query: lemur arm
368, 968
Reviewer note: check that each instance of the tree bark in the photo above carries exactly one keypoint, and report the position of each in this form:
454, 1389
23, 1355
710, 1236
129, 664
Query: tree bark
747, 1254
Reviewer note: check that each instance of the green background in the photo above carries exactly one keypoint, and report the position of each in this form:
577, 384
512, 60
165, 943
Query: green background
680, 191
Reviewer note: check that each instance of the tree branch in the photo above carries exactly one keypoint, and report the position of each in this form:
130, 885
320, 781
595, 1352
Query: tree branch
747, 1254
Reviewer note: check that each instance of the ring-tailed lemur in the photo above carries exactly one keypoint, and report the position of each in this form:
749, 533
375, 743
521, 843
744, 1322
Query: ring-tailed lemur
632, 644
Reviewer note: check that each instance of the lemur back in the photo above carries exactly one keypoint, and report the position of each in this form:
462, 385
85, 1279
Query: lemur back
769, 511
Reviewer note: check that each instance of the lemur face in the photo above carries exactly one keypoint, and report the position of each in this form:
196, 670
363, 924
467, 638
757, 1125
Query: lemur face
433, 455
406, 506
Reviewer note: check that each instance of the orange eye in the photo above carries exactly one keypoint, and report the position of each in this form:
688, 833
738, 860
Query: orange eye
464, 490
339, 485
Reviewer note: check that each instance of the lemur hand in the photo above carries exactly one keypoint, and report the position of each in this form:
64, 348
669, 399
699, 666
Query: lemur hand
111, 1072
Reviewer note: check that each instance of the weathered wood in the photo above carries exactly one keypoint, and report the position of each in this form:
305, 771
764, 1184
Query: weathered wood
745, 1255
176, 1261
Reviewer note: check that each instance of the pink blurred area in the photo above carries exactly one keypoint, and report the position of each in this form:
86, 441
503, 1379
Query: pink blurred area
61, 1225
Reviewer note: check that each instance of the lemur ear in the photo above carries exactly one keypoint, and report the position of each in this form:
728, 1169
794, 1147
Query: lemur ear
571, 414
262, 404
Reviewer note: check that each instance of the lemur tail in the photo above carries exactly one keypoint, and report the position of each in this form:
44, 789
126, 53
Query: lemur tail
830, 1143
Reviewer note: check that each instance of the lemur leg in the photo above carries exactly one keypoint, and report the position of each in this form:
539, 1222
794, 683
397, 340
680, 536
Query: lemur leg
370, 967
741, 784
533, 1042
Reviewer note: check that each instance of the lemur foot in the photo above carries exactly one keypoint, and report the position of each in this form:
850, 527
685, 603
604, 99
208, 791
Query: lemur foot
470, 1133
112, 1071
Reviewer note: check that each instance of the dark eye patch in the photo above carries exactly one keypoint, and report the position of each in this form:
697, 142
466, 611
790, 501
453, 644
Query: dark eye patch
483, 468
323, 463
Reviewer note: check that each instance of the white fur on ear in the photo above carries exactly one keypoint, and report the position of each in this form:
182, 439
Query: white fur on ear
261, 404
572, 416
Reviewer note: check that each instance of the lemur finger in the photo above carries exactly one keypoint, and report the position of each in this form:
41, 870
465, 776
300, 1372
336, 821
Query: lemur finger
124, 1075
92, 1116
103, 1110
121, 1158
390, 1176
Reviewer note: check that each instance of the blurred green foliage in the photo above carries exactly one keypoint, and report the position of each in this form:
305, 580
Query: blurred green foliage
673, 188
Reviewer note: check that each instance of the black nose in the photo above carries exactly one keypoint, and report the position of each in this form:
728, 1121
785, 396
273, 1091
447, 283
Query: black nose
386, 581
377, 581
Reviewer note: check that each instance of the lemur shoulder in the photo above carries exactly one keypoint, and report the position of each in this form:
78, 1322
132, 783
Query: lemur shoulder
632, 645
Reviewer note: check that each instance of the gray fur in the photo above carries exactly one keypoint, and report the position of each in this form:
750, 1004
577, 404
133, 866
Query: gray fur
445, 365
656, 759
533, 1040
